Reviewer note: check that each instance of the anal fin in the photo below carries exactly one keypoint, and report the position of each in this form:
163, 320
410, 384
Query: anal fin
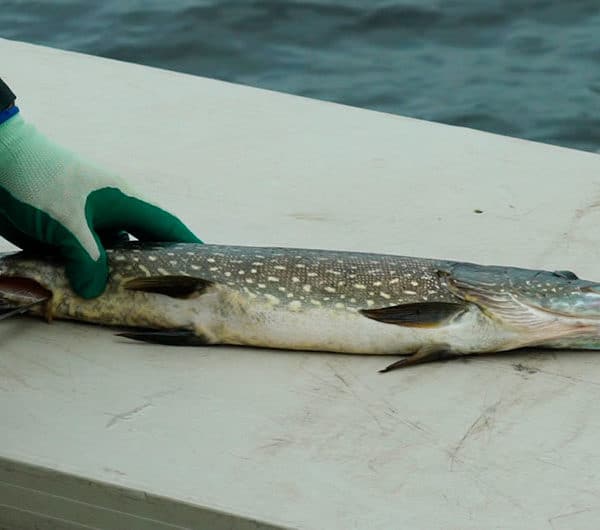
175, 337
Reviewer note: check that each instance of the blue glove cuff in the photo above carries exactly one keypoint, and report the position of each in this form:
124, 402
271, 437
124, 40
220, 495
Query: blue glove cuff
7, 114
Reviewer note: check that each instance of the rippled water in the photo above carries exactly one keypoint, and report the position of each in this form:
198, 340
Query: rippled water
526, 68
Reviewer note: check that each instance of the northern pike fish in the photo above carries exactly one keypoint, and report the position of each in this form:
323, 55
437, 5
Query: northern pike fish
316, 300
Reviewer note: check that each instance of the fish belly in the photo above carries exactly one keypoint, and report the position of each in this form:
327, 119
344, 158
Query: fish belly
229, 318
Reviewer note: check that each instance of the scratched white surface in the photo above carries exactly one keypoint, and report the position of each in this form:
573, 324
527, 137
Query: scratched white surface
313, 441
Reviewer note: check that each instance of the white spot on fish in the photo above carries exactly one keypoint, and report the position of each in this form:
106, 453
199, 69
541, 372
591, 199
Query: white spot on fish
295, 305
257, 263
370, 303
385, 295
394, 280
241, 272
282, 289
144, 270
315, 302
272, 299
253, 271
376, 284
228, 274
339, 306
312, 274
249, 280
300, 265
211, 260
353, 300
279, 267
360, 286
290, 295
262, 285
330, 289
214, 269
306, 288
272, 279
414, 284
409, 292
152, 258
249, 292
120, 257
195, 267
295, 279
162, 271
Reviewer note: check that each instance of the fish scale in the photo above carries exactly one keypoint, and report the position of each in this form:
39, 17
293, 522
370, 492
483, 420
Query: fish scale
315, 300
340, 280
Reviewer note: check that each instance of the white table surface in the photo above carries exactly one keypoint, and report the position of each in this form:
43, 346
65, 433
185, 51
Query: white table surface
311, 441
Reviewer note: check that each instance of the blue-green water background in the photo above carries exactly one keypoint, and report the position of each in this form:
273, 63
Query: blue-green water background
526, 68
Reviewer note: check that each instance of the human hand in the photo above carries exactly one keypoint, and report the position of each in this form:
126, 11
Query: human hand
50, 197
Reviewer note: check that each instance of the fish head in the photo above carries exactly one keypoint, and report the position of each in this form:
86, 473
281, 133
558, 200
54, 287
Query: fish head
540, 308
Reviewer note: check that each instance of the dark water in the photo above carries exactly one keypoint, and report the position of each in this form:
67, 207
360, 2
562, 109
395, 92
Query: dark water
526, 68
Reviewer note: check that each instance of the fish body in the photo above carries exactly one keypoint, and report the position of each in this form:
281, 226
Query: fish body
318, 300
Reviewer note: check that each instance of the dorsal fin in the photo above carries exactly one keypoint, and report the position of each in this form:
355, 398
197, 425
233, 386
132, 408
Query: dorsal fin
173, 286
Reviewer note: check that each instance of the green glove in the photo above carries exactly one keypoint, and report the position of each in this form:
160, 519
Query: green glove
50, 198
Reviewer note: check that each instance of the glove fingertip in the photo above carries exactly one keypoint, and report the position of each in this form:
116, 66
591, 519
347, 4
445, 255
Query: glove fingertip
183, 234
88, 278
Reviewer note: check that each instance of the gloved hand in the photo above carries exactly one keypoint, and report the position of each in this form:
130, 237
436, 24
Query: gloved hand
49, 197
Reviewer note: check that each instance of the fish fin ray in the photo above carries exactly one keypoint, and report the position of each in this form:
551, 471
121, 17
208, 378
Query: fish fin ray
174, 337
425, 354
8, 312
173, 286
424, 314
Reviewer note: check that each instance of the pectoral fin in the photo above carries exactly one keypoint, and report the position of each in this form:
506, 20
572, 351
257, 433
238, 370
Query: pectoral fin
422, 315
173, 286
429, 353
